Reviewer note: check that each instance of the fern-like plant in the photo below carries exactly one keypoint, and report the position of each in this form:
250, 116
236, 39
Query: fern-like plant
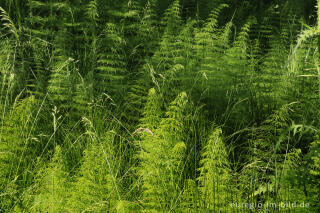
164, 64
111, 68
237, 82
96, 186
62, 78
52, 186
17, 150
161, 159
313, 165
215, 181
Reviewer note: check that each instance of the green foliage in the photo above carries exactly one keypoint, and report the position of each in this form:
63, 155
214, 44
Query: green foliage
164, 64
215, 181
111, 68
7, 71
16, 147
211, 47
61, 82
145, 41
239, 78
106, 106
313, 168
38, 85
161, 158
46, 17
152, 111
172, 18
314, 155
8, 23
92, 11
96, 185
272, 71
53, 186
287, 184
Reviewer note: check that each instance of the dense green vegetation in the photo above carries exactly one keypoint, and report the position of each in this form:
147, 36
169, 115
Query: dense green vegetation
159, 106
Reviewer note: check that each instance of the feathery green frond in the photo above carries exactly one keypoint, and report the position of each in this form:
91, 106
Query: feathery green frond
16, 144
161, 158
96, 185
215, 181
53, 186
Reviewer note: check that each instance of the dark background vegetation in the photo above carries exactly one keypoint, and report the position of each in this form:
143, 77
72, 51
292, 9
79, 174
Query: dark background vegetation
158, 105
